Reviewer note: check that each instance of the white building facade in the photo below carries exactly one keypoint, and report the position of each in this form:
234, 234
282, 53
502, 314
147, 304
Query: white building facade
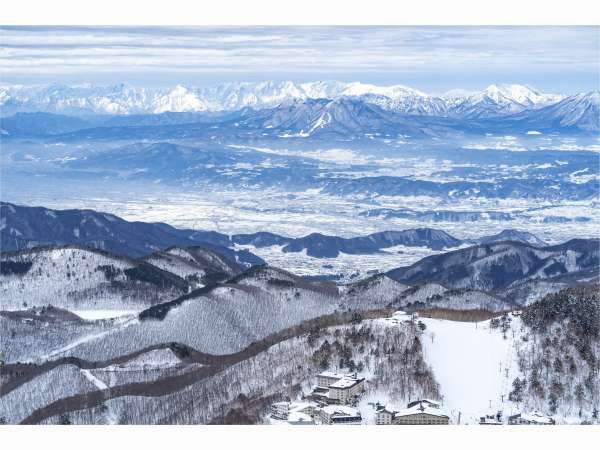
339, 415
345, 390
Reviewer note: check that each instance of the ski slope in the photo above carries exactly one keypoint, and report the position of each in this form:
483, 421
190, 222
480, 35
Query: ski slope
474, 365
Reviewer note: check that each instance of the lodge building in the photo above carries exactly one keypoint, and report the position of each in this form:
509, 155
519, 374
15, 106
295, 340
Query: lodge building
421, 412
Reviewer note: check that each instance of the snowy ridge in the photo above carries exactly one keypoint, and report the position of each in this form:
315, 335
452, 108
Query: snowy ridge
501, 99
124, 99
580, 110
81, 278
193, 264
499, 265
377, 291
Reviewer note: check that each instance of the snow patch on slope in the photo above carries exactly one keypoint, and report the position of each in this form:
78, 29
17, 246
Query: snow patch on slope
470, 362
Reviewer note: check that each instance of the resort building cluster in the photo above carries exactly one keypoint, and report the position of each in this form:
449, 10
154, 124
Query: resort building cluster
334, 400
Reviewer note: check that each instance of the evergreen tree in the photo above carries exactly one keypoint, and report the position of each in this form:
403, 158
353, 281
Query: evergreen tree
64, 419
516, 395
579, 393
558, 366
552, 402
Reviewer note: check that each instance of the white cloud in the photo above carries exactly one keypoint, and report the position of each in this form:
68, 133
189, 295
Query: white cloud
402, 52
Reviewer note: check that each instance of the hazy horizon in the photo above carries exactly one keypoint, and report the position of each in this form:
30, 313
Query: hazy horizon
431, 59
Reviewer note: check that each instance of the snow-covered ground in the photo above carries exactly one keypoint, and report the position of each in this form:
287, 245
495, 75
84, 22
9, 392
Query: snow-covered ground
119, 324
97, 314
349, 267
96, 381
474, 365
300, 213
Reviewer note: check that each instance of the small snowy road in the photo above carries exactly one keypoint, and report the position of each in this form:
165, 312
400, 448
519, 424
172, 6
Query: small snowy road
95, 381
127, 321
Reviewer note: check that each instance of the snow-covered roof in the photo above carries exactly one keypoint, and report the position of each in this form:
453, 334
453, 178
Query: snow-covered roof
397, 317
341, 410
346, 383
389, 408
421, 408
299, 406
426, 402
299, 417
331, 374
536, 417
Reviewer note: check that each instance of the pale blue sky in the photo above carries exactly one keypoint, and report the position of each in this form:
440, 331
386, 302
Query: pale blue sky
433, 59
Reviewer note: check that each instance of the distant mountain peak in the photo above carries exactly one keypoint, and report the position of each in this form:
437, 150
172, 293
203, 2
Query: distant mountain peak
524, 95
122, 99
511, 234
593, 97
356, 89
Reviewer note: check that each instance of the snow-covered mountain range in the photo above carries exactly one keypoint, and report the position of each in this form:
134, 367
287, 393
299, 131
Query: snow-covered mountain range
123, 99
26, 227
